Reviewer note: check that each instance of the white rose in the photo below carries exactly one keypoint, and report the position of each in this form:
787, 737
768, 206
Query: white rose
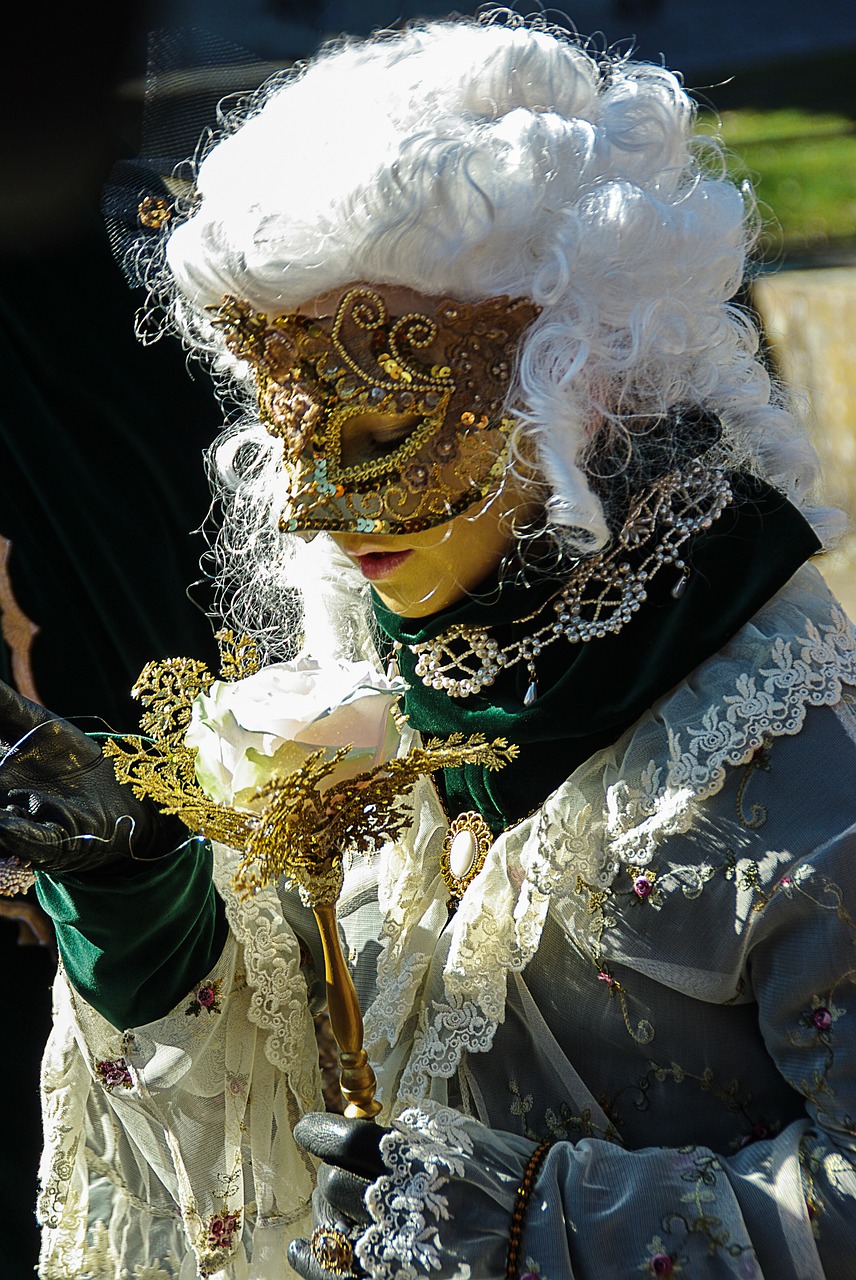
246, 731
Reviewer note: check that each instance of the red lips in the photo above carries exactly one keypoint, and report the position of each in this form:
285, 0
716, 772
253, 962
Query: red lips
376, 565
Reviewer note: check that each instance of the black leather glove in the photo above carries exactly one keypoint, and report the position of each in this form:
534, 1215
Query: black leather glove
63, 808
350, 1151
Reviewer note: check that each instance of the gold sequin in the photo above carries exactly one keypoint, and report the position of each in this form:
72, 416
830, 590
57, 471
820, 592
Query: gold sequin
449, 368
154, 212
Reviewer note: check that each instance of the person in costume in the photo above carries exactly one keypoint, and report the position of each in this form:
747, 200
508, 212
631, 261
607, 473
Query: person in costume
496, 419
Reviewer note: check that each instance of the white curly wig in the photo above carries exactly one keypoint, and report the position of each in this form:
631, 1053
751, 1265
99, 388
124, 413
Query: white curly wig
477, 157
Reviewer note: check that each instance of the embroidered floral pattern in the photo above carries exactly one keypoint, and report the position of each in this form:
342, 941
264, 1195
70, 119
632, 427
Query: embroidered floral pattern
659, 1261
560, 1122
113, 1073
821, 1017
236, 1085
221, 1231
206, 999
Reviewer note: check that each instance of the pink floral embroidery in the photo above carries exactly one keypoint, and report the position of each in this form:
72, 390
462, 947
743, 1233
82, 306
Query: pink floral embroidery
821, 1017
221, 1230
206, 999
661, 1265
659, 1261
113, 1073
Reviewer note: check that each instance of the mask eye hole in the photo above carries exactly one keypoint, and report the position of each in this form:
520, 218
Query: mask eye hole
366, 436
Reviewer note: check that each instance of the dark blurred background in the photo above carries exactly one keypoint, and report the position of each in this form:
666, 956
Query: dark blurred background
101, 482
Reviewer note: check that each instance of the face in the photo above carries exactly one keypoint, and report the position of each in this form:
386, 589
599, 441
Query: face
418, 574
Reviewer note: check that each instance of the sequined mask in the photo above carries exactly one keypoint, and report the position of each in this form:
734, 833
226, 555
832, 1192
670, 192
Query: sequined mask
389, 424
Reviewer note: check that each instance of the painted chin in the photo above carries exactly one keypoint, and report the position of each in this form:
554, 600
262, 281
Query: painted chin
376, 566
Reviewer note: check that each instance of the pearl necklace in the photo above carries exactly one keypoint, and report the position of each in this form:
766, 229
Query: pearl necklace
601, 595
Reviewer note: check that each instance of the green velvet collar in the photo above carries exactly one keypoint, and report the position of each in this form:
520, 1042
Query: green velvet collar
590, 693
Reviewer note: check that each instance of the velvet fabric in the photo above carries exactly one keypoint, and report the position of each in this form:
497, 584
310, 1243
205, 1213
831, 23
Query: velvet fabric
589, 693
112, 928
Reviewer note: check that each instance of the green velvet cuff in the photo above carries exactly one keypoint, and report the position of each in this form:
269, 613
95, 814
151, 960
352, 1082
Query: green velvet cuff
137, 936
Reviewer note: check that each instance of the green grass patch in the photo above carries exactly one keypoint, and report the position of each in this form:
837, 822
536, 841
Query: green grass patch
790, 129
802, 166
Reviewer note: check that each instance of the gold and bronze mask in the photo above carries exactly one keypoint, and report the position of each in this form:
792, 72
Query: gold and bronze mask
389, 423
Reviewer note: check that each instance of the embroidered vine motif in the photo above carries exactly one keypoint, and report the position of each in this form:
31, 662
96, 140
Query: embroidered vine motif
113, 1073
205, 999
816, 1027
746, 875
560, 1123
643, 1032
728, 1094
760, 760
831, 896
696, 1218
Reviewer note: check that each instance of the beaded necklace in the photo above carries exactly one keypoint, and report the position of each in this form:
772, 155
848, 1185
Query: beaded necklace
601, 595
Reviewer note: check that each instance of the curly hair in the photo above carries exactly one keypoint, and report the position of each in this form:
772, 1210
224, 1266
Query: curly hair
478, 157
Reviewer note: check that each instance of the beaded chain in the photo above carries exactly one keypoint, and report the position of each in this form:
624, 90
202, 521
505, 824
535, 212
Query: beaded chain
518, 1216
601, 595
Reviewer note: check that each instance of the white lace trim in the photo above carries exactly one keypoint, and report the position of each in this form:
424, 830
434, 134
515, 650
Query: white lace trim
613, 811
279, 1003
407, 1205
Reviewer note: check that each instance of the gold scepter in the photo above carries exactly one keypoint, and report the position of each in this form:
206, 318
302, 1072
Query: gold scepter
296, 829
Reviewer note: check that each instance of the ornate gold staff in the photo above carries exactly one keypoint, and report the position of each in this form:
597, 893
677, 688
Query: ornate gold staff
298, 832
